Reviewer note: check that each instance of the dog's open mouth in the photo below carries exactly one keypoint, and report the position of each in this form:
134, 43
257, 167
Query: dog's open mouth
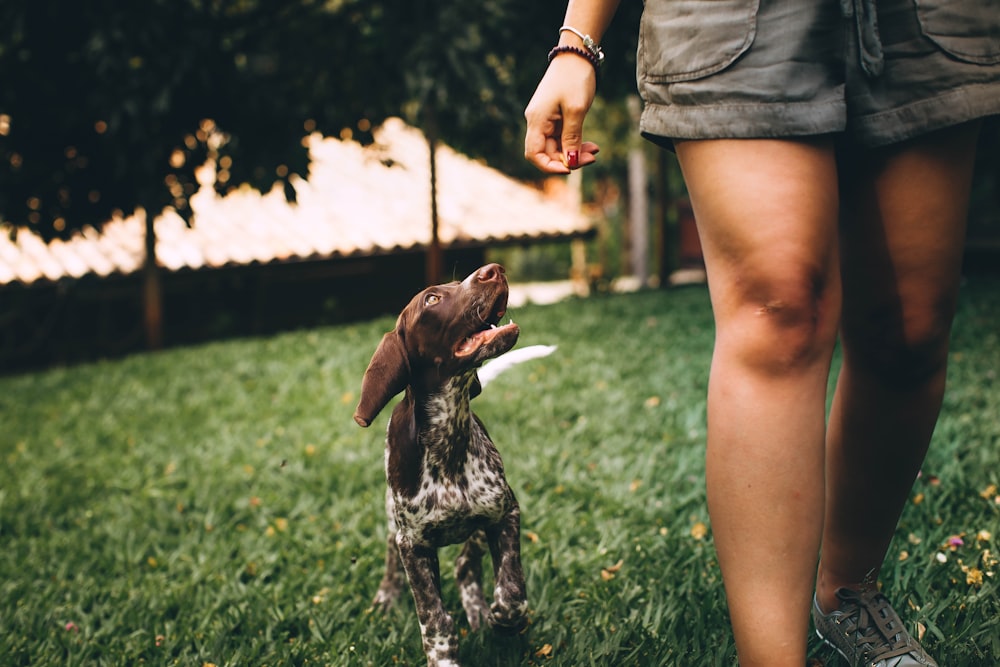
475, 341
489, 330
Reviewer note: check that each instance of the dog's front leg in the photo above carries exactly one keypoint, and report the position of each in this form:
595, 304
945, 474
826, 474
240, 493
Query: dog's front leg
508, 613
394, 578
469, 575
436, 626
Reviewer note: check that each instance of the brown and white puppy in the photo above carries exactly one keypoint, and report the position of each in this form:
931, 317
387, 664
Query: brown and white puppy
446, 482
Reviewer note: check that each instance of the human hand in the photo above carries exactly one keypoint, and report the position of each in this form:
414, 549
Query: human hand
554, 138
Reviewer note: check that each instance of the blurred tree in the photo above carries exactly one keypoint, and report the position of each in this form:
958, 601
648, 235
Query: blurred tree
109, 106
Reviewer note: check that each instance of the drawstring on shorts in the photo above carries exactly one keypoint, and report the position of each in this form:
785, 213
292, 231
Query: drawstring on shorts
865, 18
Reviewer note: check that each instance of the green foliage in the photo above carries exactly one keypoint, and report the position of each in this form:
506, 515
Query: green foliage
106, 102
536, 262
218, 503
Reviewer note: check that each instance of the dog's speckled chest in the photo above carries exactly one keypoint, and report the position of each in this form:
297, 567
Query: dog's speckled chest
462, 485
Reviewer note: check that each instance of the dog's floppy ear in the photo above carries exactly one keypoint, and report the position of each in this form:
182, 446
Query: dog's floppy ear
388, 374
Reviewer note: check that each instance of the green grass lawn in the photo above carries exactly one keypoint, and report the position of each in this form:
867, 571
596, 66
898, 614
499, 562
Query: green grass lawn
217, 504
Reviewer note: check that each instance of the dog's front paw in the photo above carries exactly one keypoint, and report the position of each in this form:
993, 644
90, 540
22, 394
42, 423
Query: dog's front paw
508, 620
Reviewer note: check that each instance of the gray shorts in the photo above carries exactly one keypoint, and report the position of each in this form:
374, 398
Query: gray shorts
881, 70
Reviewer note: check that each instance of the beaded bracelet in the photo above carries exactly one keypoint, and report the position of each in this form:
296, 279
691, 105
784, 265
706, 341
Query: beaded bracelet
583, 53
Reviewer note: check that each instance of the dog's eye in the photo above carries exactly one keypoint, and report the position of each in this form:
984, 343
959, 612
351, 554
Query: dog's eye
431, 299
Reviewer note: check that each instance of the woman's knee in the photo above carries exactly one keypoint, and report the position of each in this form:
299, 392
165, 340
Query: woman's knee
900, 344
782, 321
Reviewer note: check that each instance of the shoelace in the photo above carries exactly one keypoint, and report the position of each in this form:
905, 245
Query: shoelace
873, 622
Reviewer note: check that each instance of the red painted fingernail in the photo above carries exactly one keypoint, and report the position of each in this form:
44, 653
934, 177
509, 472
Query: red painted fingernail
573, 159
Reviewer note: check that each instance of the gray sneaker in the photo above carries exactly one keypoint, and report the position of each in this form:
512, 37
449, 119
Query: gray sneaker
868, 633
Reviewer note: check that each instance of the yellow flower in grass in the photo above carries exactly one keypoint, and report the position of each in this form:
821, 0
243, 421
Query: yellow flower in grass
973, 575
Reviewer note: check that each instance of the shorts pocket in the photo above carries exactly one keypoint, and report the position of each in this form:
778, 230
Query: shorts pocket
966, 29
681, 40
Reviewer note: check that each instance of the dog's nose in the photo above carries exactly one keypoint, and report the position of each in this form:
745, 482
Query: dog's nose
490, 273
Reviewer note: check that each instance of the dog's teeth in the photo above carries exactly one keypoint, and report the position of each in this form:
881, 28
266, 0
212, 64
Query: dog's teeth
493, 326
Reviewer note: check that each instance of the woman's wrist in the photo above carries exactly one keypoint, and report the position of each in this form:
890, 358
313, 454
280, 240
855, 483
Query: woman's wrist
576, 51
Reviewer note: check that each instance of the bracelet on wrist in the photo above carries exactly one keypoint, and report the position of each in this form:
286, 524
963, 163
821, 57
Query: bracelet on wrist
583, 53
588, 43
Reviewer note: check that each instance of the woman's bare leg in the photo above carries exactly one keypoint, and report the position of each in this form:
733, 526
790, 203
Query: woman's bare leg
767, 215
902, 241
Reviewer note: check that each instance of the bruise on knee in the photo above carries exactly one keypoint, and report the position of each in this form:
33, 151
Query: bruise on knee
779, 318
778, 336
